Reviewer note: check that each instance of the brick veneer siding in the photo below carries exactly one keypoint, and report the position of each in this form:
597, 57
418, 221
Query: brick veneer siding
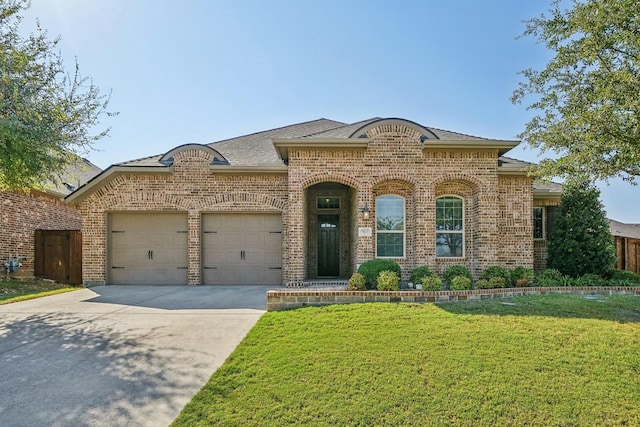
22, 214
191, 188
395, 163
498, 210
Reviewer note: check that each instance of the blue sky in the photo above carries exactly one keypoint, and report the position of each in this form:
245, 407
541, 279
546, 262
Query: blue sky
200, 71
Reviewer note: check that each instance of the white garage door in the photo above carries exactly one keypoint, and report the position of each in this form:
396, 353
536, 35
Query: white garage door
242, 249
147, 249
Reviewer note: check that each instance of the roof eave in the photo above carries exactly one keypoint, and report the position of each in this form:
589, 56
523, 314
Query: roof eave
546, 194
282, 146
442, 144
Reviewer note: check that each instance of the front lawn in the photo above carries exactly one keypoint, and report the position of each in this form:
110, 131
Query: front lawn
14, 290
556, 360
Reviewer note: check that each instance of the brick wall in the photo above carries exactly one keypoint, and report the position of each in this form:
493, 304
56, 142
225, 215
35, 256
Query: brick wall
395, 163
498, 210
22, 214
192, 188
540, 246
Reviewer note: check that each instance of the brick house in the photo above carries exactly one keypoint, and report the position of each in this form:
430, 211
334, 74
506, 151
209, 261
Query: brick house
40, 209
312, 201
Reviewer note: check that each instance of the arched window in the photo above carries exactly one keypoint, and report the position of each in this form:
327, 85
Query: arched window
390, 226
449, 227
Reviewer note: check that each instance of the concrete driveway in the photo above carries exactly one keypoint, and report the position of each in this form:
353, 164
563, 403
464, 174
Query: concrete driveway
117, 355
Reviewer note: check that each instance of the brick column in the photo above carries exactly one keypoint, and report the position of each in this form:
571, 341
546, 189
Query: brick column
193, 248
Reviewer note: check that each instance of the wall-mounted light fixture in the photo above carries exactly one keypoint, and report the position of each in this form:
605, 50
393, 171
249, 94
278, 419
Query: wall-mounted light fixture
365, 212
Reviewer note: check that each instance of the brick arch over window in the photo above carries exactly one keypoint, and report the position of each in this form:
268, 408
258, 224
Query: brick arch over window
471, 182
331, 177
398, 178
407, 128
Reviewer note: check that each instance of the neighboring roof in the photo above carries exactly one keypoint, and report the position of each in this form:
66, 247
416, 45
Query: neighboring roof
75, 175
624, 230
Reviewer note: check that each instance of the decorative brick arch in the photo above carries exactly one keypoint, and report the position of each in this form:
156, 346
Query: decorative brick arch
241, 200
474, 183
203, 152
331, 177
407, 128
143, 201
399, 177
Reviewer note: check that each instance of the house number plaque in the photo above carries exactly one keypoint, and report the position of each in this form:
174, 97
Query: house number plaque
365, 232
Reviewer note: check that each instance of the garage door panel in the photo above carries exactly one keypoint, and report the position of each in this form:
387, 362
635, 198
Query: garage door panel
242, 248
148, 248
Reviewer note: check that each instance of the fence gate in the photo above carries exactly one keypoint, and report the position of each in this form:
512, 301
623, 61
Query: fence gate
58, 255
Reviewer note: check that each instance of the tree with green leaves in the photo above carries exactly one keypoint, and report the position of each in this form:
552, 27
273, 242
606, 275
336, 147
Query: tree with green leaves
47, 115
587, 99
580, 241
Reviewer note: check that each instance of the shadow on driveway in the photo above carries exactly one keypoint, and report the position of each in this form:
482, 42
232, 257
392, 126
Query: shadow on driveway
117, 356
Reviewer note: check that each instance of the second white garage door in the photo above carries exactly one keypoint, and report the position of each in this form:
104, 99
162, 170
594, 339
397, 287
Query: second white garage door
242, 249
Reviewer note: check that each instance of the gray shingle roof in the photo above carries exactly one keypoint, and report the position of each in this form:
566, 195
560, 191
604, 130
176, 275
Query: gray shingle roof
257, 148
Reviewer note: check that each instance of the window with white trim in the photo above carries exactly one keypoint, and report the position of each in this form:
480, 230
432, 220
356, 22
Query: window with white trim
390, 226
449, 227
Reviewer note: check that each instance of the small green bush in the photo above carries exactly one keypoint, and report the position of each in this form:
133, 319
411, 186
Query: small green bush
567, 281
460, 283
454, 271
548, 278
431, 283
590, 280
483, 284
356, 282
623, 275
495, 271
372, 269
521, 276
497, 282
419, 273
388, 281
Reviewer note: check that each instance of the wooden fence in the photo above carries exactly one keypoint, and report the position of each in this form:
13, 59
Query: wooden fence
58, 255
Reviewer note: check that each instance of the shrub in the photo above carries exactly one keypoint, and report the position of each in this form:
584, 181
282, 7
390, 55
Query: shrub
623, 275
419, 273
521, 276
590, 280
497, 282
495, 271
460, 283
580, 241
372, 269
454, 271
388, 281
567, 281
548, 278
356, 282
431, 283
483, 284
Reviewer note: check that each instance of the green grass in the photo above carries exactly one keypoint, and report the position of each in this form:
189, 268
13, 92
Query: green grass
557, 360
14, 290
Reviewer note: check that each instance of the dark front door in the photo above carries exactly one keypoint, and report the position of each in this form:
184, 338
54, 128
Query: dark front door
328, 245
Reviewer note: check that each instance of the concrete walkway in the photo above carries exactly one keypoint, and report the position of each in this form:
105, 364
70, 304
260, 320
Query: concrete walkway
117, 355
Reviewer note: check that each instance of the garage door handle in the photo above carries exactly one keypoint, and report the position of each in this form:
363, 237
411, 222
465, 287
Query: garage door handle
150, 254
241, 254
114, 267
211, 268
275, 268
